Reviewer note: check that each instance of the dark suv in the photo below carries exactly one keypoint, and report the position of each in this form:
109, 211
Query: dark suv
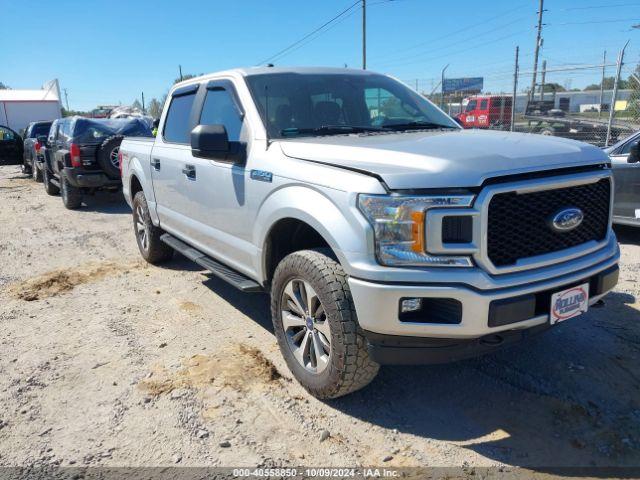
34, 138
82, 155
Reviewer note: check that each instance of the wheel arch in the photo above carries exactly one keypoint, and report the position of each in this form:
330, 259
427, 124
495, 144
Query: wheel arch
298, 218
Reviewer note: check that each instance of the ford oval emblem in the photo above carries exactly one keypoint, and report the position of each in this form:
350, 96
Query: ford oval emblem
567, 219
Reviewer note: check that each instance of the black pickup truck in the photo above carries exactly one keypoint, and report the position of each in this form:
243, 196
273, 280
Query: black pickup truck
81, 155
34, 138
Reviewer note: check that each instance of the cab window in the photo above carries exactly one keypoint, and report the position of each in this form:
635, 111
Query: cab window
177, 125
471, 105
626, 149
220, 109
483, 104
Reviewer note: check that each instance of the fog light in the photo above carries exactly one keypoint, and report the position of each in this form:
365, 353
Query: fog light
410, 305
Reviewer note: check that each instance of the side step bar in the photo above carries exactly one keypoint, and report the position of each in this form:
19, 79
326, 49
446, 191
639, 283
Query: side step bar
237, 279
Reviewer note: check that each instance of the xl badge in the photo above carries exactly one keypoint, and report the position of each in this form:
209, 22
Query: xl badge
567, 219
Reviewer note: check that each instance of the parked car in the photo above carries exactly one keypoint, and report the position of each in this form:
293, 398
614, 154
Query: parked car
625, 160
384, 233
486, 111
35, 135
82, 155
10, 147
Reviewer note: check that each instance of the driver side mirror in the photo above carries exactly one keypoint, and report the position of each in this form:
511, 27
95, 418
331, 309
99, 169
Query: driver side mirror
212, 141
634, 153
42, 139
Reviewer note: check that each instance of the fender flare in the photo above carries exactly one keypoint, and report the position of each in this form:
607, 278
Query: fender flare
312, 207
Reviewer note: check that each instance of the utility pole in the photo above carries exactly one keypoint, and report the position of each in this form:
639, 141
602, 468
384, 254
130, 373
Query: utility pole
515, 91
180, 70
614, 97
442, 87
66, 98
143, 109
364, 34
544, 74
604, 62
537, 51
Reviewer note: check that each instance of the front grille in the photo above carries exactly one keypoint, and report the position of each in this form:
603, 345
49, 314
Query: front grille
518, 224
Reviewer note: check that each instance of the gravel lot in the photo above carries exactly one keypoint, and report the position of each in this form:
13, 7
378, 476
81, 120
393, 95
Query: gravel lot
108, 361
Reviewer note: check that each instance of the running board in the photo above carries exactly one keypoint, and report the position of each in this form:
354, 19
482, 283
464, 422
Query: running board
237, 279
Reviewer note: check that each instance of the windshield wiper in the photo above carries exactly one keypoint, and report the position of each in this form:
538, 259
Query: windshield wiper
328, 130
418, 125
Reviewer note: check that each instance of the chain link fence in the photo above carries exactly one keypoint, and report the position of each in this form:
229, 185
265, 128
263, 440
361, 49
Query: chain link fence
566, 101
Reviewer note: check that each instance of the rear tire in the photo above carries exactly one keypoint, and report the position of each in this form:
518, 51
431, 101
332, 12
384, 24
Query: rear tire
36, 173
313, 312
71, 196
49, 187
152, 249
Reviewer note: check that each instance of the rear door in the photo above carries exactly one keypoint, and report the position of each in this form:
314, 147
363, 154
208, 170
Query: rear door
170, 154
627, 182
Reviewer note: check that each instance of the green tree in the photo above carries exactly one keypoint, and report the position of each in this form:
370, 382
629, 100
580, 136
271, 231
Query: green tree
155, 108
608, 84
136, 104
186, 77
4, 87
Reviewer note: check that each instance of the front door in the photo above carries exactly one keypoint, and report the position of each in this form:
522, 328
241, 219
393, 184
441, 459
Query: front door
220, 219
627, 183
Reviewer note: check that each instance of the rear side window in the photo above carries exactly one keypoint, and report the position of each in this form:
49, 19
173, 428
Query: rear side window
483, 104
40, 129
220, 109
177, 125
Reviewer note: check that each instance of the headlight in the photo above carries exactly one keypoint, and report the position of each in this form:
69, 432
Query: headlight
399, 227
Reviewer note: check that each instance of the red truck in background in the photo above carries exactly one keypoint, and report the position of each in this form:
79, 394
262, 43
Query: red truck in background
486, 111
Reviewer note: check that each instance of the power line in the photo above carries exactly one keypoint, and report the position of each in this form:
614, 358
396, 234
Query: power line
453, 44
600, 21
297, 42
600, 6
465, 28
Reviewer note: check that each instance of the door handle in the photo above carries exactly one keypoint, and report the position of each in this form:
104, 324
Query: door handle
155, 163
189, 171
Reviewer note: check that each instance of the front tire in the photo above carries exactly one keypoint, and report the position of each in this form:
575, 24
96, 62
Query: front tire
152, 249
71, 196
316, 325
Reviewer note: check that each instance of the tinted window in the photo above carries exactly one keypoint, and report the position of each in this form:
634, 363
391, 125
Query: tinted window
627, 148
40, 129
471, 105
220, 109
6, 135
96, 131
303, 103
65, 130
177, 125
483, 104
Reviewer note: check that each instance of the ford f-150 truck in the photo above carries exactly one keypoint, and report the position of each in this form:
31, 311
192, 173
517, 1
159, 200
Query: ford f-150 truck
384, 232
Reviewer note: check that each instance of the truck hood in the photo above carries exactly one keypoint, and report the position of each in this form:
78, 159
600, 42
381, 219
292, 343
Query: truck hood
460, 158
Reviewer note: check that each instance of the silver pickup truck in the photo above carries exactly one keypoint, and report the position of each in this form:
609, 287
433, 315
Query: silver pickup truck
384, 233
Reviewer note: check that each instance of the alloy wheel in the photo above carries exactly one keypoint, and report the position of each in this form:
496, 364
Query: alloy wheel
306, 326
142, 232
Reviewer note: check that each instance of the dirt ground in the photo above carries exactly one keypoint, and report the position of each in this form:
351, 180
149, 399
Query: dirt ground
107, 361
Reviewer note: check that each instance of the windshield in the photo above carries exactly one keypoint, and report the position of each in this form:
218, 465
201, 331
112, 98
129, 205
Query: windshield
40, 129
294, 104
94, 131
